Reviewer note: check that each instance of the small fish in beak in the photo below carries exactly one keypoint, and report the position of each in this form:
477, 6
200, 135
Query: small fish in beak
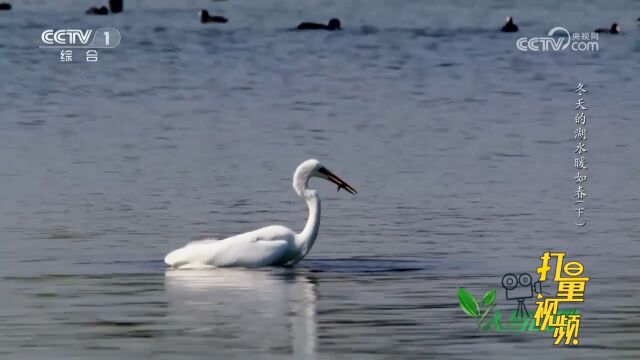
336, 180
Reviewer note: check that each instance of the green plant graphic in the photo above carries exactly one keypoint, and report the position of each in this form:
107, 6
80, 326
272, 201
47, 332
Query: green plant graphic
481, 311
468, 303
471, 307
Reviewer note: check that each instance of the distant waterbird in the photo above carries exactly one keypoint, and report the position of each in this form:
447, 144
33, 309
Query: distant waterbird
5, 6
334, 24
97, 11
206, 18
510, 26
614, 29
116, 6
273, 245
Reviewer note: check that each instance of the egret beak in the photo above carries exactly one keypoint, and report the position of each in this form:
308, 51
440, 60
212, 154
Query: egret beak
336, 180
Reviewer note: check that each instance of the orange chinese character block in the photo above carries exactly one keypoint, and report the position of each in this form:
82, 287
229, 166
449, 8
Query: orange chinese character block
545, 312
567, 327
571, 290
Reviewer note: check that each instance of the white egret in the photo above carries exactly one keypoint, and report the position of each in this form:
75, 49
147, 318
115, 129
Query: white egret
271, 245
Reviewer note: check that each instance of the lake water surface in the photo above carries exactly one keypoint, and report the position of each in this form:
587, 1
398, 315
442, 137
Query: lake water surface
461, 148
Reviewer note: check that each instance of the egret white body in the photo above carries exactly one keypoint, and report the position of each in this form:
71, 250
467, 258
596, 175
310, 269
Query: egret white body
273, 245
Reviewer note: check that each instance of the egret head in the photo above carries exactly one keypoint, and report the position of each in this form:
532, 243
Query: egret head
313, 168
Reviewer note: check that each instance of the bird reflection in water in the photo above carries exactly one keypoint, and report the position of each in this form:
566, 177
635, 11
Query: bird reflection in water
262, 310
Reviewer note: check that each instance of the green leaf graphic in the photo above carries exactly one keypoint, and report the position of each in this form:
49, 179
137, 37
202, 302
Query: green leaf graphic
489, 297
468, 303
486, 312
496, 321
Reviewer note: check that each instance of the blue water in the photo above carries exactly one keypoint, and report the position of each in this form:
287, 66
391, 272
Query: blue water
460, 146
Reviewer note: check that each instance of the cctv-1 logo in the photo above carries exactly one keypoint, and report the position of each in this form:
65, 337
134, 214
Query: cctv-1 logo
66, 37
78, 38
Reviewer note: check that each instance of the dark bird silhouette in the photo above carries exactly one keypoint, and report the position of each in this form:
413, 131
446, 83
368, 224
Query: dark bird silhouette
509, 26
115, 6
97, 11
206, 18
5, 6
615, 29
334, 24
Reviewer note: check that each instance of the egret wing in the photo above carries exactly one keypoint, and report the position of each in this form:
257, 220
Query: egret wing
265, 253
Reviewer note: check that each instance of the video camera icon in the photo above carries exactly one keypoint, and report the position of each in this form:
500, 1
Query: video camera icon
520, 287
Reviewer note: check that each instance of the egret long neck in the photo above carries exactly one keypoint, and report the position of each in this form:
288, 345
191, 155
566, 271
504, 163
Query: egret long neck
308, 235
